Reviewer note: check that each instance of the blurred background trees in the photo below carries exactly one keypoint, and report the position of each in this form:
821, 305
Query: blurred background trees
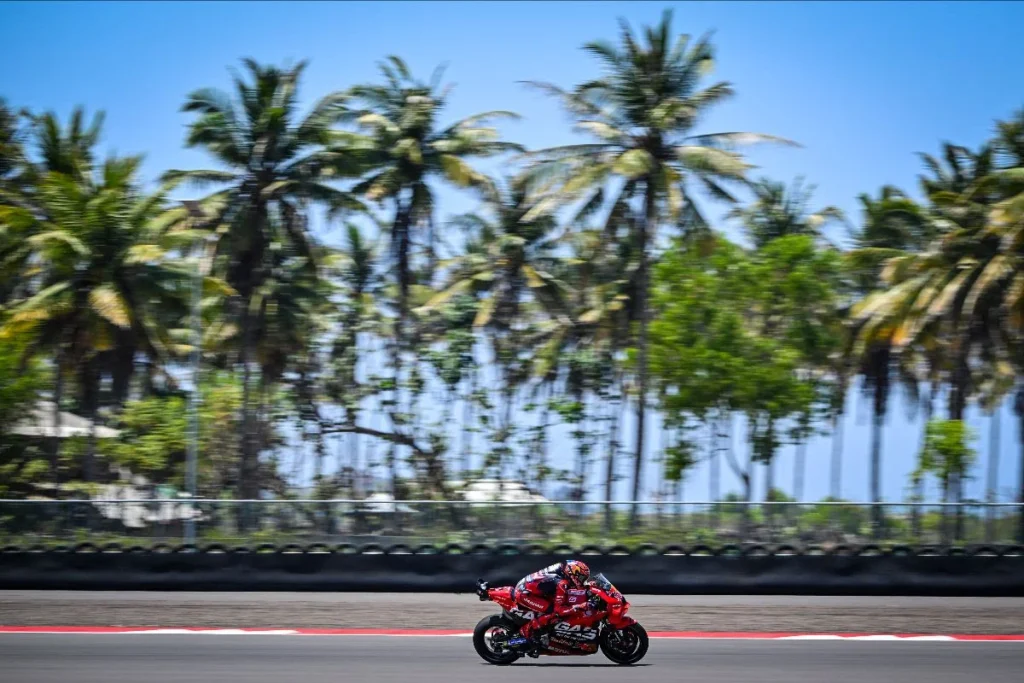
588, 284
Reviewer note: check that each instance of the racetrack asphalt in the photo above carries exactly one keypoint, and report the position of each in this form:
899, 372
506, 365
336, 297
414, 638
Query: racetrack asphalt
310, 659
795, 614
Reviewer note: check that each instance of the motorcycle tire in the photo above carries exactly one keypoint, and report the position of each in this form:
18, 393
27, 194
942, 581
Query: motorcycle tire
621, 658
480, 642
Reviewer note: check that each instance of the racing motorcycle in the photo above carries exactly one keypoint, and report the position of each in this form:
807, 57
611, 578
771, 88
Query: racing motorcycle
603, 626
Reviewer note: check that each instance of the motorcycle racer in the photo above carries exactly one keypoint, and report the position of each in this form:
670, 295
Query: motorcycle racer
547, 594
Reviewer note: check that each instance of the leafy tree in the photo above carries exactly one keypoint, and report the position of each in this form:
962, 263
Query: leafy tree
154, 433
744, 332
947, 455
799, 299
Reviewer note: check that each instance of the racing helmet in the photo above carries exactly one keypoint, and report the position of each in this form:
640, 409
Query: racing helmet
576, 572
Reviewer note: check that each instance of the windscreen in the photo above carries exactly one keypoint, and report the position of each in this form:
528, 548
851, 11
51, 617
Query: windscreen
602, 582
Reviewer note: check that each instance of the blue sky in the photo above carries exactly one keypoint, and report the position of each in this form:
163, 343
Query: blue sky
863, 86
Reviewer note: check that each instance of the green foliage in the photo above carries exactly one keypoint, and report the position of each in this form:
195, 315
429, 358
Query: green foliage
741, 331
679, 458
946, 452
22, 378
154, 436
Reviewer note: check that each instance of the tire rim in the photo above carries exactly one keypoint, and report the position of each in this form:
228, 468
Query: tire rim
620, 642
489, 639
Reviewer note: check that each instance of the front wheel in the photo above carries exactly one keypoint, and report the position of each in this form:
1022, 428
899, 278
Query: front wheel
489, 637
625, 646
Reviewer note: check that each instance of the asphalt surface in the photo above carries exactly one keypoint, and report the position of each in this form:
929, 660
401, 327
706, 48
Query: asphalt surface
424, 611
274, 659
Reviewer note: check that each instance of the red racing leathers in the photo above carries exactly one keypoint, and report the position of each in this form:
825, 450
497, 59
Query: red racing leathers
549, 595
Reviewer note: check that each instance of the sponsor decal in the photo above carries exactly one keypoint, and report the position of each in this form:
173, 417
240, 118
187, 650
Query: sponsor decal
522, 614
577, 631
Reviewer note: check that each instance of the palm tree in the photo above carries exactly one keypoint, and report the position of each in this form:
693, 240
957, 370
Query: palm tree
277, 164
506, 255
68, 151
643, 113
101, 250
946, 292
892, 227
949, 284
995, 382
406, 149
292, 322
359, 282
596, 270
355, 271
777, 211
1004, 273
12, 151
13, 245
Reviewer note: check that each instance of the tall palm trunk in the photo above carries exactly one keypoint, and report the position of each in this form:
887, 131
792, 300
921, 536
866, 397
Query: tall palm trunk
646, 226
581, 452
769, 480
247, 488
835, 486
467, 421
723, 432
89, 388
1018, 407
746, 475
506, 429
993, 474
609, 473
798, 470
947, 480
402, 243
799, 467
957, 404
877, 422
55, 444
929, 407
545, 443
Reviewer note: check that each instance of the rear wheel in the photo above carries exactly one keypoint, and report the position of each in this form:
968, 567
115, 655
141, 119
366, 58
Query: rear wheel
489, 638
625, 646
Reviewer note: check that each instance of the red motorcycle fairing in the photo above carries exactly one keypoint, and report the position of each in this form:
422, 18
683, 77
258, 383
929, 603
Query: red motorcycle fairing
577, 634
502, 596
617, 606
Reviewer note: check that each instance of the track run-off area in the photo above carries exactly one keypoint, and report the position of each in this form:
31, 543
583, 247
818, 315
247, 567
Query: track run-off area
461, 612
106, 637
251, 658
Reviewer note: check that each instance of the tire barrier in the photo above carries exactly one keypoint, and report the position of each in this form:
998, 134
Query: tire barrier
982, 571
533, 549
